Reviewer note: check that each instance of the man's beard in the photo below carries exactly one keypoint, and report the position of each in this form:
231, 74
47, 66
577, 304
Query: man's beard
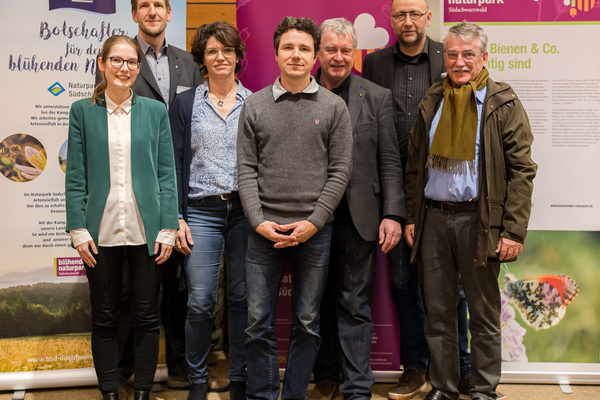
413, 43
152, 33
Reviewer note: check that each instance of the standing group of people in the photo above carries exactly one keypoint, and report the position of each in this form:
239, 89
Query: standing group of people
314, 170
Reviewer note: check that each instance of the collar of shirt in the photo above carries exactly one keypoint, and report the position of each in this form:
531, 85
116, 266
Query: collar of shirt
241, 92
412, 59
111, 106
147, 48
342, 90
480, 95
279, 91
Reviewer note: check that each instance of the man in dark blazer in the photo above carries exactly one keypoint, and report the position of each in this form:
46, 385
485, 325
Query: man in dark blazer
179, 71
165, 71
153, 80
409, 67
368, 214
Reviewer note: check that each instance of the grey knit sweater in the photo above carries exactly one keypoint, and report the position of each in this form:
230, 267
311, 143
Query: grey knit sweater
294, 156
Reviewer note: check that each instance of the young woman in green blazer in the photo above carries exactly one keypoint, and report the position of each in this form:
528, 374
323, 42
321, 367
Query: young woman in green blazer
121, 199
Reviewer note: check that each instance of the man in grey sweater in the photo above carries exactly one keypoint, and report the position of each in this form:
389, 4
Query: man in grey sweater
294, 162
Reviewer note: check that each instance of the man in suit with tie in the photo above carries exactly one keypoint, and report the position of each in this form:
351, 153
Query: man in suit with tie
368, 214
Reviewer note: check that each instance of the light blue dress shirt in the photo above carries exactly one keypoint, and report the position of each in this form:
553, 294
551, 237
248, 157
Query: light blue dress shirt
454, 187
213, 169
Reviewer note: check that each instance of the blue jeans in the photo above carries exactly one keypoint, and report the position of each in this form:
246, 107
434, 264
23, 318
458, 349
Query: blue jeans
406, 294
346, 325
463, 337
216, 226
264, 271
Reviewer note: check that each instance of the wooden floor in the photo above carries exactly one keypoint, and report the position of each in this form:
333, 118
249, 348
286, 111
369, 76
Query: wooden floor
513, 392
220, 368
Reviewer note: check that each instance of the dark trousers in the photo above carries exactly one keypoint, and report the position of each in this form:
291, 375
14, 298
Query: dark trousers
448, 249
106, 290
173, 313
406, 294
346, 325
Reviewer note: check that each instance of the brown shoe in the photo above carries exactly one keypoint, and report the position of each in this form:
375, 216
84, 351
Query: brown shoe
216, 384
324, 390
411, 382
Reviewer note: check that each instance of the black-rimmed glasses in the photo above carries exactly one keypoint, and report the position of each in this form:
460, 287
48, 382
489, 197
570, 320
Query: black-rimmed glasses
117, 62
414, 15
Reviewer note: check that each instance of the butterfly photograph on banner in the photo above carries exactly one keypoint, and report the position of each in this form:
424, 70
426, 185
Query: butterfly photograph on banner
550, 305
541, 300
542, 303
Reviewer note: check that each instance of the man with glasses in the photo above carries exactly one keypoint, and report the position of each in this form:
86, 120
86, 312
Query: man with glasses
408, 67
468, 184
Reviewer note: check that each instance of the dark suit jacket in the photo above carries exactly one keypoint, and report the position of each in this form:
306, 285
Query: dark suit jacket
375, 189
184, 74
379, 66
183, 70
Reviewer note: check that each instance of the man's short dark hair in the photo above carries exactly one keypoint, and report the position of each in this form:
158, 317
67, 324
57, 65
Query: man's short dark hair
134, 5
307, 25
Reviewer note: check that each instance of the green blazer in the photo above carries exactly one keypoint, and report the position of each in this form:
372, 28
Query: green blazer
152, 167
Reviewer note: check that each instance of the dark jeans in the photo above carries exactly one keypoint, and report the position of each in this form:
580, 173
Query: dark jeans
264, 271
406, 294
346, 325
106, 290
464, 353
448, 248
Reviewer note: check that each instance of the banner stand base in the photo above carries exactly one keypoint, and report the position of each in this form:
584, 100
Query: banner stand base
19, 395
21, 381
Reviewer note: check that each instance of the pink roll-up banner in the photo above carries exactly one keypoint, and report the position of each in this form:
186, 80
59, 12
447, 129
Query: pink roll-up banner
257, 20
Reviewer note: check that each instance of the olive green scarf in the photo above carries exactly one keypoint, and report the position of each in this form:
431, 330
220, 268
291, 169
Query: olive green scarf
453, 146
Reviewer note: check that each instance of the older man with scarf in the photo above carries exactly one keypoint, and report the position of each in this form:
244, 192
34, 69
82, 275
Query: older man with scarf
469, 181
